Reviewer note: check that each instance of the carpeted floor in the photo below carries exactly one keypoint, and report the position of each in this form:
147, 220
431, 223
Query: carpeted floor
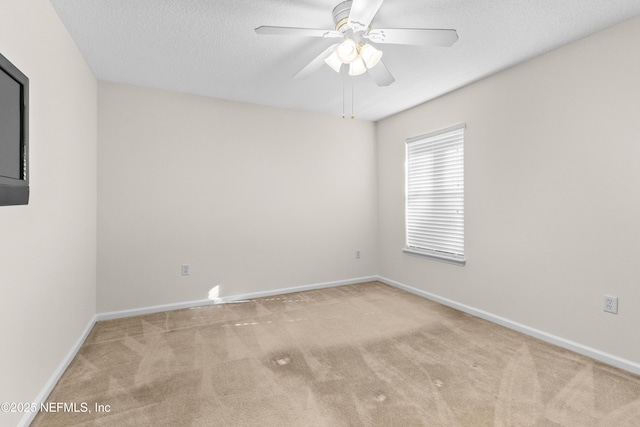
358, 355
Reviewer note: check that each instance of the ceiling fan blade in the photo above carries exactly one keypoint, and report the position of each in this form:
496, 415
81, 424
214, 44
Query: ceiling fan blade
316, 63
414, 36
303, 32
381, 75
362, 13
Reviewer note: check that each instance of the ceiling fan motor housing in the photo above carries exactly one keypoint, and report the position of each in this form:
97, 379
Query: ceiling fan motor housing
341, 16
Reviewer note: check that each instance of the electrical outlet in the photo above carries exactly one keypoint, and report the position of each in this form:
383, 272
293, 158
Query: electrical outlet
611, 304
186, 269
357, 254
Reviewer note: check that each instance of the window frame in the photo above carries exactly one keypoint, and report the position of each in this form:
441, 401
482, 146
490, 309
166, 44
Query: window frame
449, 248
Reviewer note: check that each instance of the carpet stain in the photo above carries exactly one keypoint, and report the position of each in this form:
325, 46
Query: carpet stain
358, 355
380, 397
282, 361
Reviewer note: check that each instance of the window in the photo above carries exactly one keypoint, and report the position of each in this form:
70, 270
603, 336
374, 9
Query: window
434, 214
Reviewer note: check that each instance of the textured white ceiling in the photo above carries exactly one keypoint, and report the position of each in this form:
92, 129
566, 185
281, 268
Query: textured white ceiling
209, 47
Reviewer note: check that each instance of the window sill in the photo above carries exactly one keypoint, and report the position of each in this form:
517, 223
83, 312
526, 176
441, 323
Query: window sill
451, 259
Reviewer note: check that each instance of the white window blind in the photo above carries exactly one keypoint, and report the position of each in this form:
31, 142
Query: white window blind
435, 195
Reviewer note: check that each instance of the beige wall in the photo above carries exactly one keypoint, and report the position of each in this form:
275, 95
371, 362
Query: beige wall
552, 199
47, 248
253, 198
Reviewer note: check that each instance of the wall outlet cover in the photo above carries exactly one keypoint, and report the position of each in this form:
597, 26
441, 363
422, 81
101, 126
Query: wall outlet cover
186, 269
611, 304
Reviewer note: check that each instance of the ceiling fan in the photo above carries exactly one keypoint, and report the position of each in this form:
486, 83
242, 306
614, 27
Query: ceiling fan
353, 24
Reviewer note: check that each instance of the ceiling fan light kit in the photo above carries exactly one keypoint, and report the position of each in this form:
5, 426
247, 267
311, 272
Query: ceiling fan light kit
370, 55
360, 57
334, 62
357, 67
347, 51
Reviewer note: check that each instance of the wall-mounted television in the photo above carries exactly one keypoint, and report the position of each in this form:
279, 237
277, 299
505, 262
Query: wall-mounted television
14, 135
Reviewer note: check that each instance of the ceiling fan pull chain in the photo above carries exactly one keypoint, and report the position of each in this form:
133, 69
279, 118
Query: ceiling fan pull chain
352, 113
343, 94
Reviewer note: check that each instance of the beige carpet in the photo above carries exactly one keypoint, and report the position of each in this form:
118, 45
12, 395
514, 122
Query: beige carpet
359, 355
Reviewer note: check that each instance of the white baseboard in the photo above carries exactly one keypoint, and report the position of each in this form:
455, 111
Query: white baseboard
584, 350
153, 309
57, 374
609, 359
252, 295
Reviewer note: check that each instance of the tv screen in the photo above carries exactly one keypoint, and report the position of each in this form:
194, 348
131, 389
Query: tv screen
14, 135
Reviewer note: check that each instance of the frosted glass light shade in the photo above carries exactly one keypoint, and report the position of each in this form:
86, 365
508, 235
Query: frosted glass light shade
370, 55
334, 62
357, 67
347, 51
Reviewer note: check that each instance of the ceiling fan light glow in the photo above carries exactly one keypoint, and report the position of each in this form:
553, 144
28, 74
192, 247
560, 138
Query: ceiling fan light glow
347, 51
334, 62
357, 67
370, 55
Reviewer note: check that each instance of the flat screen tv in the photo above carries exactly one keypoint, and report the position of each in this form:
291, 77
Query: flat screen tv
14, 135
